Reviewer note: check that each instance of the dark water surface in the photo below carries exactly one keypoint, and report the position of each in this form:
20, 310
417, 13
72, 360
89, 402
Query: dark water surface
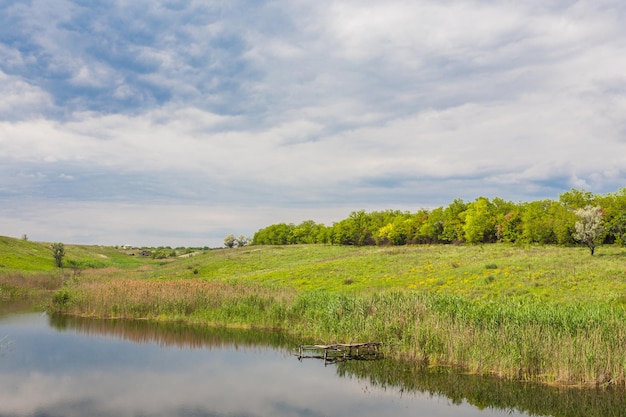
76, 367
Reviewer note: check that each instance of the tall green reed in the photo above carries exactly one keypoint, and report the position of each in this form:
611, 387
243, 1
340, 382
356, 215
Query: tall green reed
526, 340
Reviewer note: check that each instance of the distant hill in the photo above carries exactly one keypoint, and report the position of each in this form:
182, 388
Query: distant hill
27, 256
24, 255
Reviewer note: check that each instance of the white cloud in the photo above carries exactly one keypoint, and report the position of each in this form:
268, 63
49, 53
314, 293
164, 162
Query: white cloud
21, 99
333, 105
233, 389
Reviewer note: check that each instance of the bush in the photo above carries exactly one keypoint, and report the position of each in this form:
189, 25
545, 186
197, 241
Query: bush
62, 297
58, 252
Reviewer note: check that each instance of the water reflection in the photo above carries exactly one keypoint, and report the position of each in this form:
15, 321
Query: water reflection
14, 307
490, 392
482, 392
173, 334
72, 367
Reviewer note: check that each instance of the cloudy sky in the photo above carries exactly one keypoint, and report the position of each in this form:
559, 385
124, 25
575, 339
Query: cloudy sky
176, 122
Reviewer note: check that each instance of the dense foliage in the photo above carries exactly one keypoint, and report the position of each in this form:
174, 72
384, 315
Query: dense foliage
479, 221
58, 253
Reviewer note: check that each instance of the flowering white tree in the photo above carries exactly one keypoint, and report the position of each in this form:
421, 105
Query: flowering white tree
229, 241
242, 241
589, 226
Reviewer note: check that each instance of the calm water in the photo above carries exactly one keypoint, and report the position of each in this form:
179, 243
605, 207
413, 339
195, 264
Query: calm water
69, 367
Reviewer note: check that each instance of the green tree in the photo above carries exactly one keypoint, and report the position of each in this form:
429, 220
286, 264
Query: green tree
509, 226
354, 230
58, 253
507, 220
537, 223
577, 199
589, 226
454, 221
276, 234
342, 233
429, 225
360, 230
563, 221
386, 234
322, 234
480, 224
307, 232
614, 216
399, 231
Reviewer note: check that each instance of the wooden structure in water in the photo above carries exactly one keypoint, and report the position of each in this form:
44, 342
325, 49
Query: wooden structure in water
340, 351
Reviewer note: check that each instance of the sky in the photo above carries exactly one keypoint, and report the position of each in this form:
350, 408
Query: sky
177, 122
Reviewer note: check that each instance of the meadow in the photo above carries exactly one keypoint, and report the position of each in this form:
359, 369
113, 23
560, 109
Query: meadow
536, 313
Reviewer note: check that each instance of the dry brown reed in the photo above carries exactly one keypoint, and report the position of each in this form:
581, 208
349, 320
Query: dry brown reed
23, 285
167, 300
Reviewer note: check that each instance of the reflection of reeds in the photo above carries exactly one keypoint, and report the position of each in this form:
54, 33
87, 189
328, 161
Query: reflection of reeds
533, 399
571, 344
174, 334
488, 391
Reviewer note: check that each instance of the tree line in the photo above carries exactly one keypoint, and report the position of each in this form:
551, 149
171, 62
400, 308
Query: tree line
566, 221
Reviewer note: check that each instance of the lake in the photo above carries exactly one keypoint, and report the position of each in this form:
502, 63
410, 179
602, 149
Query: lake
59, 366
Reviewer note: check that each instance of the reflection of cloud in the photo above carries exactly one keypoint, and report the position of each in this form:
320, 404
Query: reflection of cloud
71, 374
265, 387
5, 345
75, 369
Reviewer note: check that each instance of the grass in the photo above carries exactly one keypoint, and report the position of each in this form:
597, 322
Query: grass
548, 314
28, 270
25, 256
477, 272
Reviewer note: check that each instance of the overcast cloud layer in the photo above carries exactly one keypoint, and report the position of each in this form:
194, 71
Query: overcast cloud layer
178, 122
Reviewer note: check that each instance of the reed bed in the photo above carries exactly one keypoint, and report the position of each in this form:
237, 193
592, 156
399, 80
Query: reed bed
567, 344
15, 285
214, 303
532, 341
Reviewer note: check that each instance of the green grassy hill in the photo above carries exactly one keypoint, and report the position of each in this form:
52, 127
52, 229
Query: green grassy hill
476, 272
17, 255
484, 272
28, 270
22, 255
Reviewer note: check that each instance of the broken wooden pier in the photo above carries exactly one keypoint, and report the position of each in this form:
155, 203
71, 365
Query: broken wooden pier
340, 351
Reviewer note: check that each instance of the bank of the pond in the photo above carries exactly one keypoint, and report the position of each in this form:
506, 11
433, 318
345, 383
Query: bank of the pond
564, 343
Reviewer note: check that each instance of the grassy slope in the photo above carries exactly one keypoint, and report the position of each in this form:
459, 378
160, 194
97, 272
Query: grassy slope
488, 272
27, 269
476, 272
24, 256
19, 256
